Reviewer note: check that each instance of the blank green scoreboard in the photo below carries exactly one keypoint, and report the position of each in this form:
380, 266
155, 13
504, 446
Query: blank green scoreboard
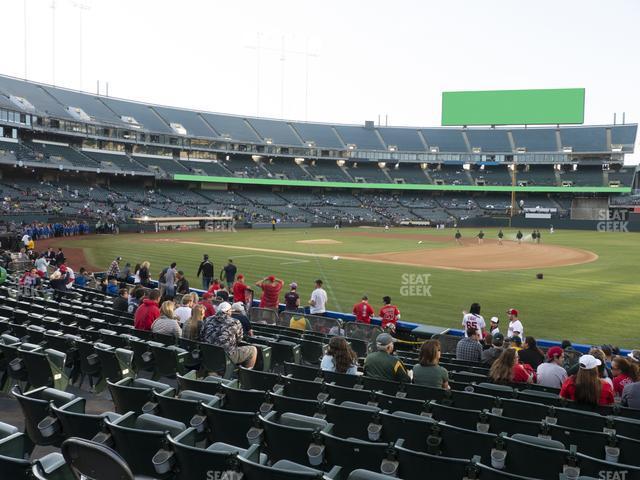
513, 107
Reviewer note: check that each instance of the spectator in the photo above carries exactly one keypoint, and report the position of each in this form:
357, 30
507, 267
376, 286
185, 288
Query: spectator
147, 313
363, 310
209, 309
135, 298
82, 278
121, 303
506, 369
473, 319
487, 342
271, 287
571, 355
30, 279
300, 322
136, 274
515, 328
497, 347
428, 372
292, 299
625, 371
389, 314
494, 328
58, 282
631, 392
383, 364
228, 273
183, 312
192, 327
167, 323
182, 284
516, 343
586, 387
552, 373
168, 279
226, 332
112, 287
125, 272
318, 300
608, 354
239, 289
340, 357
531, 354
603, 372
60, 258
469, 347
206, 269
215, 286
237, 312
114, 269
41, 265
145, 274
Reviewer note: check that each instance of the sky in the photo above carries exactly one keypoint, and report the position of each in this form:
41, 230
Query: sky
342, 61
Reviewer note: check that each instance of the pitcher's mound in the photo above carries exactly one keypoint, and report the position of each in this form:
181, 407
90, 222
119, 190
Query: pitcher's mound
320, 241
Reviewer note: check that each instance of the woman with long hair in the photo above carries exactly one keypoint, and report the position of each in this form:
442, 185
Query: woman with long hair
167, 322
531, 354
192, 326
428, 372
340, 357
624, 372
506, 369
144, 274
136, 274
586, 386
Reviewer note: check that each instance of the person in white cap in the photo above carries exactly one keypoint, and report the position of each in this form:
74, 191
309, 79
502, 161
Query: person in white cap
237, 312
586, 387
225, 331
494, 325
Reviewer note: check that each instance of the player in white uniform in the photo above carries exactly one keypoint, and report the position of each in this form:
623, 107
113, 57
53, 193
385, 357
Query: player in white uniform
473, 319
515, 325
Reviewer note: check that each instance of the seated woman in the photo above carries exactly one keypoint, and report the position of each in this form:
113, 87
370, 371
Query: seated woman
586, 387
506, 369
340, 357
428, 372
167, 323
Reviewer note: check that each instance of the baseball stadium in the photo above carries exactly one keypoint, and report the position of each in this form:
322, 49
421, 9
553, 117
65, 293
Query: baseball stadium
187, 294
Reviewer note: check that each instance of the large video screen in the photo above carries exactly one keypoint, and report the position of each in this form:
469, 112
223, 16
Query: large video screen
513, 107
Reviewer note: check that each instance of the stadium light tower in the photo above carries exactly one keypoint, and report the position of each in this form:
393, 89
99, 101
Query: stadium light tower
53, 42
82, 7
24, 22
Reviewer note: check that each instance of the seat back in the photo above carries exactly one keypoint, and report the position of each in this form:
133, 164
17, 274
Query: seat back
550, 456
229, 426
256, 380
243, 400
208, 385
283, 403
255, 471
351, 419
130, 395
216, 361
414, 429
288, 440
459, 417
341, 379
456, 442
95, 461
414, 465
351, 454
116, 363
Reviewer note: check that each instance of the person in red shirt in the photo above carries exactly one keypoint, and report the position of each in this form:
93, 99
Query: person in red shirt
506, 369
624, 372
271, 287
215, 286
389, 314
148, 312
586, 387
363, 311
239, 289
209, 309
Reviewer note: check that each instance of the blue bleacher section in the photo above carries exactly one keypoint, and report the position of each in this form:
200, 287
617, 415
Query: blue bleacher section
489, 141
279, 132
535, 139
363, 138
191, 121
143, 114
447, 140
235, 127
322, 135
584, 139
406, 139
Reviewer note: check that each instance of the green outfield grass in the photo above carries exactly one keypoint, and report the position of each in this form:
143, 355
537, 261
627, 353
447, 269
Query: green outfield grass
590, 303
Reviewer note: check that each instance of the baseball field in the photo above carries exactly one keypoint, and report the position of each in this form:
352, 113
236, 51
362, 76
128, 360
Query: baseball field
589, 292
